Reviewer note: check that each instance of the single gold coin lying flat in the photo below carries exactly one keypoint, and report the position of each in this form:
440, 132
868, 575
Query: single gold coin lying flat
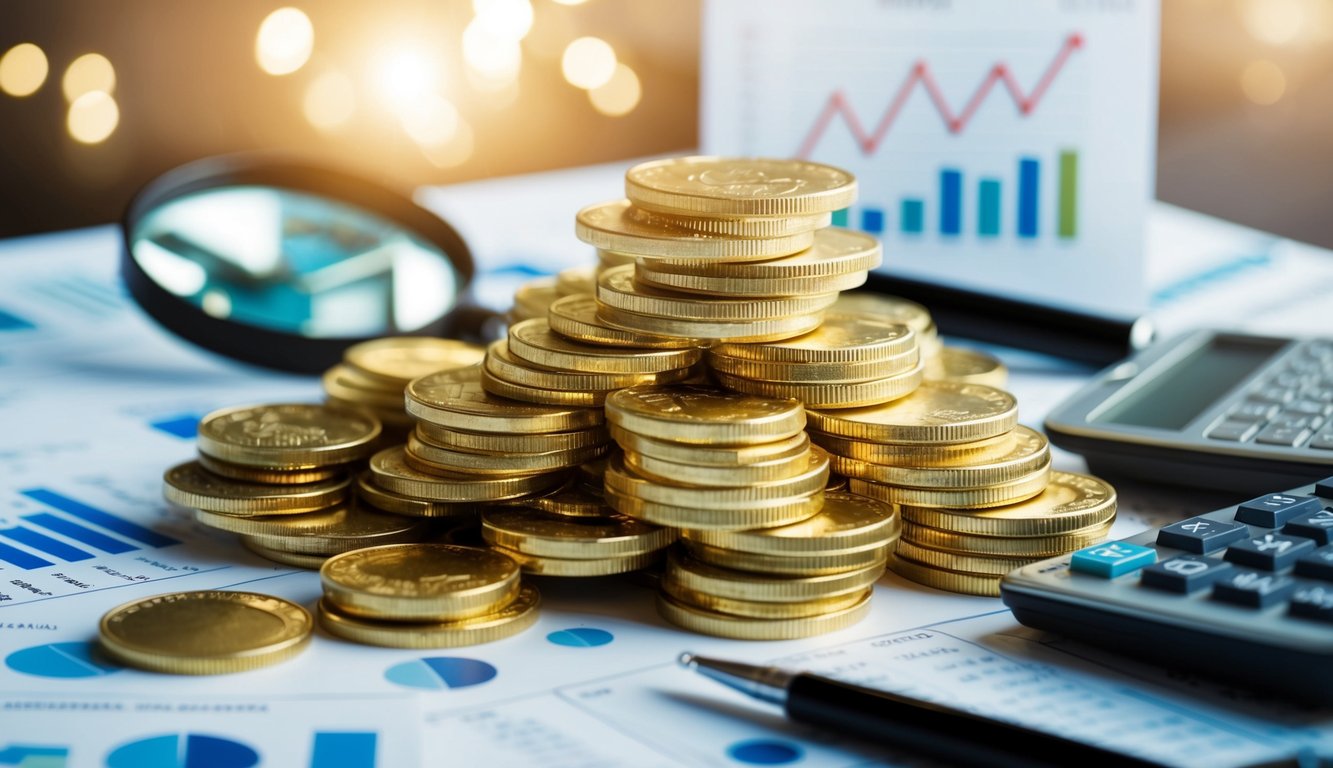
1030, 453
773, 513
999, 495
502, 442
765, 329
843, 338
967, 365
1070, 502
590, 399
1012, 546
783, 565
456, 399
294, 559
670, 472
754, 226
276, 525
542, 534
719, 624
502, 364
841, 372
287, 436
206, 632
507, 621
920, 454
618, 289
392, 472
936, 412
890, 309
361, 527
612, 226
398, 504
739, 186
533, 341
572, 500
719, 456
575, 318
994, 565
949, 580
847, 523
856, 394
694, 574
396, 360
420, 582
572, 568
811, 478
432, 458
347, 384
700, 415
268, 476
755, 609
190, 485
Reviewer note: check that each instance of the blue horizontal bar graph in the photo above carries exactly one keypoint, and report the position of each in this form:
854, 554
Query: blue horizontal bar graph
16, 556
40, 541
94, 539
97, 517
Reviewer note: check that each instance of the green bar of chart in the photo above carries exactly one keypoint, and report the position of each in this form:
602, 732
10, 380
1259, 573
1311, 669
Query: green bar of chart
1067, 218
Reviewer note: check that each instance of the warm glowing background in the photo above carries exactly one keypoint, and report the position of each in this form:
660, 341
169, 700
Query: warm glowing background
96, 98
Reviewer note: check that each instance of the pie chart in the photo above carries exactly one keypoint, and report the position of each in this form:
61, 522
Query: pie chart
184, 750
580, 637
764, 752
60, 660
437, 673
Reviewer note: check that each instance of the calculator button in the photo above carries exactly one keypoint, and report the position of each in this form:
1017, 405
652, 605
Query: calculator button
1273, 510
1324, 488
1316, 526
1317, 564
1323, 441
1276, 395
1254, 589
1235, 431
1185, 574
1289, 419
1271, 551
1311, 602
1252, 411
1306, 408
1112, 559
1284, 436
1200, 535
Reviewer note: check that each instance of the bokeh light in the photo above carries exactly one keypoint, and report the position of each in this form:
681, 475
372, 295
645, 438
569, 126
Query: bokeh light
431, 122
454, 152
90, 72
23, 69
286, 38
504, 19
1263, 82
404, 75
571, 2
491, 57
93, 117
589, 62
1276, 22
619, 95
330, 100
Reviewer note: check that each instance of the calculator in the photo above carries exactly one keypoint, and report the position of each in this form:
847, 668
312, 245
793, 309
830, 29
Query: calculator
1243, 593
1224, 411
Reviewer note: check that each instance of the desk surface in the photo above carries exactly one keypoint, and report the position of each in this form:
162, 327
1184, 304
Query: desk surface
95, 402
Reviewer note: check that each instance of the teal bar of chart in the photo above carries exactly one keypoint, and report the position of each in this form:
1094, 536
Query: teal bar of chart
988, 208
913, 218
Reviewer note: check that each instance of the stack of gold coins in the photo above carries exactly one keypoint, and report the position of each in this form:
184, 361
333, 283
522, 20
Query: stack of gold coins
373, 374
970, 550
562, 544
851, 360
532, 299
784, 582
279, 475
425, 596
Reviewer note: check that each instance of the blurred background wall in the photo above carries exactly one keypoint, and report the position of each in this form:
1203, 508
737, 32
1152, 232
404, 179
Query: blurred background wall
415, 92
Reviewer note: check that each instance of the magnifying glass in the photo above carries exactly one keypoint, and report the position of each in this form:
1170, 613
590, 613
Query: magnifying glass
285, 265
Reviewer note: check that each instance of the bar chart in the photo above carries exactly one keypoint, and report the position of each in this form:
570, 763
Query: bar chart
94, 531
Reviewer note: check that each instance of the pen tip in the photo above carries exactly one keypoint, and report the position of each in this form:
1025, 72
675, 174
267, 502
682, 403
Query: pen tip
686, 660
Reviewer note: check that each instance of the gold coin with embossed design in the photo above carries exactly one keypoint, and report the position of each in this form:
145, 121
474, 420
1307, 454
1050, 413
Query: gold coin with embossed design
701, 415
847, 523
287, 436
936, 412
420, 582
739, 186
575, 318
456, 399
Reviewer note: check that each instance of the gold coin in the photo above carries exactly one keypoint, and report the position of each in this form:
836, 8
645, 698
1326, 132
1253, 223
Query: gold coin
708, 622
1013, 546
847, 523
346, 384
706, 455
846, 372
937, 412
831, 396
361, 527
574, 280
739, 186
534, 297
294, 559
946, 579
756, 226
993, 565
618, 289
1070, 502
770, 329
433, 458
533, 341
542, 534
592, 399
396, 360
783, 565
1031, 452
612, 226
761, 610
575, 318
571, 568
708, 285
274, 524
969, 366
268, 476
392, 473
420, 582
288, 436
999, 495
377, 497
572, 500
508, 621
757, 495
607, 259
501, 442
774, 513
671, 472
501, 364
887, 308
837, 255
843, 338
696, 575
920, 454
207, 632
700, 415
190, 485
456, 399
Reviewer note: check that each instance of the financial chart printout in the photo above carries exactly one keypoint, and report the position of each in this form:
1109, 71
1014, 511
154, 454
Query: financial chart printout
1000, 146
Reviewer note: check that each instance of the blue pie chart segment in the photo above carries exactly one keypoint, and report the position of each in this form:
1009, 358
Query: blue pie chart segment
764, 752
580, 637
60, 660
437, 673
185, 750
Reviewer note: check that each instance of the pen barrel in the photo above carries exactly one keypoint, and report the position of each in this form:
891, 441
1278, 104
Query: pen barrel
937, 731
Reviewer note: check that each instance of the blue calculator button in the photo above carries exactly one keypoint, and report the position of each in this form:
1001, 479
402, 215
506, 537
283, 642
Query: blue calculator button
1273, 510
1317, 564
1316, 526
1115, 558
1269, 551
1324, 488
1253, 589
1201, 535
1185, 574
1312, 602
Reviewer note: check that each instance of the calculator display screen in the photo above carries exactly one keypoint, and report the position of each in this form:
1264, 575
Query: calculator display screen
1173, 397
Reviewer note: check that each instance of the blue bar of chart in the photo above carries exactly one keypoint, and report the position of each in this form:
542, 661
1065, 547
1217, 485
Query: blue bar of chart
43, 543
913, 217
79, 533
97, 517
951, 202
872, 220
344, 750
988, 208
93, 529
24, 560
1029, 173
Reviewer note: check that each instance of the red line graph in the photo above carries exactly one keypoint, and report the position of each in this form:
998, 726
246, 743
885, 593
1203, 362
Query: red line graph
839, 105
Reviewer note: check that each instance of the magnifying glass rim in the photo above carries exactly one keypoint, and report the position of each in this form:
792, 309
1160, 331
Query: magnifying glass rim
257, 344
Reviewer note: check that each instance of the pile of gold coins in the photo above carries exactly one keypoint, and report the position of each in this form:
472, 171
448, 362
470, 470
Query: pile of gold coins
557, 543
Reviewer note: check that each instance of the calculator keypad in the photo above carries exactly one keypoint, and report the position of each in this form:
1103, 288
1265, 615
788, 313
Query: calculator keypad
1201, 535
1253, 589
1269, 552
1291, 407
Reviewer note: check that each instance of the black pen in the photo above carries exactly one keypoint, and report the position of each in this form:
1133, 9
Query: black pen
912, 725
